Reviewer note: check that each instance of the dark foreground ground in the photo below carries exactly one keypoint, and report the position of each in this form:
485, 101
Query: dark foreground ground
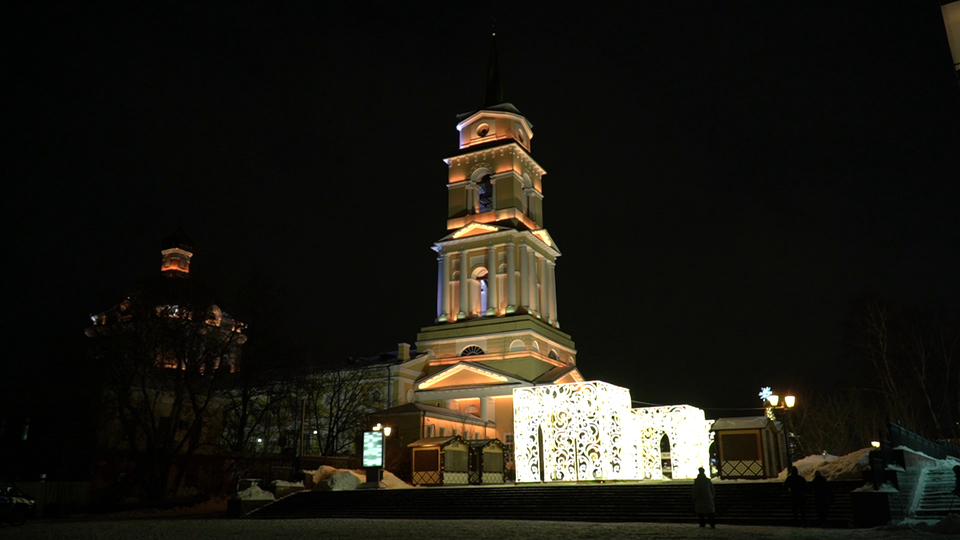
325, 529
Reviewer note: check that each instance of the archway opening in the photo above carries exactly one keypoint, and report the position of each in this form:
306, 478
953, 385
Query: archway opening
666, 465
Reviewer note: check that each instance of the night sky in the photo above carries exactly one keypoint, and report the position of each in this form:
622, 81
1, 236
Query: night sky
724, 182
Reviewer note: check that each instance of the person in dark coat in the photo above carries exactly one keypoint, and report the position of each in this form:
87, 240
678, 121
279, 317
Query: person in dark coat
703, 499
797, 486
822, 497
956, 485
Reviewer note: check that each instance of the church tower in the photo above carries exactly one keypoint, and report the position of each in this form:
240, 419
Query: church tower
497, 325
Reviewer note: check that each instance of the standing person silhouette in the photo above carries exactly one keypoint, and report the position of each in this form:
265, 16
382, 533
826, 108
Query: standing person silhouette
822, 497
703, 499
797, 485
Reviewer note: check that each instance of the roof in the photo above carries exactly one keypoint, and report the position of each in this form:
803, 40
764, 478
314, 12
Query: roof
433, 412
483, 443
745, 422
554, 374
493, 93
177, 240
435, 441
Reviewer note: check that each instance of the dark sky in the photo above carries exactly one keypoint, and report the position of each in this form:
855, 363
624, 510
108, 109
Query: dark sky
724, 181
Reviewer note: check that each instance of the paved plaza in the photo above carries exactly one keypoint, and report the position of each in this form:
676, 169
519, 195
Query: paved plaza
329, 529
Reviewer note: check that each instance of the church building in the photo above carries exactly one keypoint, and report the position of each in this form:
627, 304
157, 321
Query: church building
497, 325
495, 365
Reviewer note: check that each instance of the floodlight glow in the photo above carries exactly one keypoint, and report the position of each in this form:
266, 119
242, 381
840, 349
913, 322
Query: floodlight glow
790, 401
474, 227
542, 235
875, 444
457, 369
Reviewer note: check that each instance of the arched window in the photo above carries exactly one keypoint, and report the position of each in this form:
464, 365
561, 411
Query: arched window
472, 350
517, 345
485, 193
553, 354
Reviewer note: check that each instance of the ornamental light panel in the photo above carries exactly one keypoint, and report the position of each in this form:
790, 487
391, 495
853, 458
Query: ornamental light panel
588, 431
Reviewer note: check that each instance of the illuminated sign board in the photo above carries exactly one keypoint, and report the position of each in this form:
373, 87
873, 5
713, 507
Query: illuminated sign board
373, 449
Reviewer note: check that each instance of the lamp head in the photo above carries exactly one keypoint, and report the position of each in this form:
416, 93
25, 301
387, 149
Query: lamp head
773, 399
790, 401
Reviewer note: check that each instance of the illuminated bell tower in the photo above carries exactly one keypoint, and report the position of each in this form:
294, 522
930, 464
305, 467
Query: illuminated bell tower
177, 249
497, 325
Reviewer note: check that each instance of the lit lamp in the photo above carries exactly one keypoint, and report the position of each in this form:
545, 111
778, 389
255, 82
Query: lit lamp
788, 403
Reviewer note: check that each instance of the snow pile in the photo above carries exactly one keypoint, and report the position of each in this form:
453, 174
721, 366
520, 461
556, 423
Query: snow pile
948, 525
284, 483
848, 467
338, 481
254, 493
324, 479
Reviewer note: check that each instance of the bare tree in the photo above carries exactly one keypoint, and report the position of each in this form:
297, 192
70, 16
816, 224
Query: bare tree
164, 367
913, 356
338, 402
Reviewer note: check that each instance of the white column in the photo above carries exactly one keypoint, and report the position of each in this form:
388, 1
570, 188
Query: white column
532, 278
553, 293
440, 310
488, 411
445, 287
543, 312
511, 278
492, 302
464, 286
524, 278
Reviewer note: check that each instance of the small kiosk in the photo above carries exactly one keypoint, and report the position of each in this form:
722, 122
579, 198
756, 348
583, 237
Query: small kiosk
749, 447
486, 461
440, 461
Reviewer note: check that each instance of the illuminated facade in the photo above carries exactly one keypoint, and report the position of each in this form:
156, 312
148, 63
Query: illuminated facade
495, 363
497, 325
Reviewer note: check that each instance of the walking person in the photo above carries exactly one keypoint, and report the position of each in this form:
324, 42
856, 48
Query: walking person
703, 499
956, 486
797, 486
822, 497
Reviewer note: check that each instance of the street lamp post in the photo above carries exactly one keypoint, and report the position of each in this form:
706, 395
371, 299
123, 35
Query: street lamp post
788, 403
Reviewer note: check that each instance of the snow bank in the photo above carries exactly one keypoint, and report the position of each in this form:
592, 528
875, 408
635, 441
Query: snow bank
284, 483
322, 476
254, 493
848, 467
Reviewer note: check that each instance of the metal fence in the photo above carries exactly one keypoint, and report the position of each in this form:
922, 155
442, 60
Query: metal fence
901, 436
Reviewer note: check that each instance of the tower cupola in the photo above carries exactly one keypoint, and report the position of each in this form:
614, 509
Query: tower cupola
177, 249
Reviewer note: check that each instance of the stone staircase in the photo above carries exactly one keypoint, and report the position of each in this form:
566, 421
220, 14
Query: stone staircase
741, 503
938, 483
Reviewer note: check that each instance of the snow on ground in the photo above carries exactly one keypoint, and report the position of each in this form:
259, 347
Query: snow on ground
848, 467
254, 493
333, 529
390, 481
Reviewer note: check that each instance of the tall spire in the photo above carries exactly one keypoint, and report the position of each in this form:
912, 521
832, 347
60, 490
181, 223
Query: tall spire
494, 94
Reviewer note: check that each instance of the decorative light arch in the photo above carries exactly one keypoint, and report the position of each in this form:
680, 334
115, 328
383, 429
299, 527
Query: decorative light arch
587, 431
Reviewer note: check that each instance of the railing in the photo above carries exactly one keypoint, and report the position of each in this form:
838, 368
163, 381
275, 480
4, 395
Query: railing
900, 436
